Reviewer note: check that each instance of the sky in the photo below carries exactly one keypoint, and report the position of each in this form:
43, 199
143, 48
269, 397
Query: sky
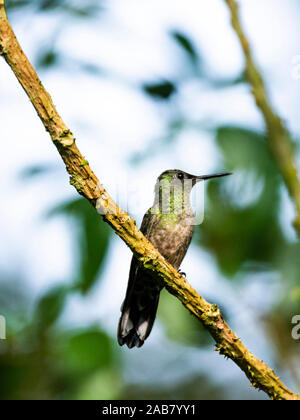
113, 120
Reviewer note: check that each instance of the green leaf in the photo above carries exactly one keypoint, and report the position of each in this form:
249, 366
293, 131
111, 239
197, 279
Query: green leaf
239, 236
180, 325
72, 8
248, 152
226, 83
247, 236
105, 384
50, 306
15, 4
186, 45
48, 58
86, 9
91, 239
287, 262
245, 149
36, 170
87, 351
161, 90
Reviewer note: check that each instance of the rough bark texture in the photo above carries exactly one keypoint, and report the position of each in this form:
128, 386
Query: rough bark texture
279, 139
87, 185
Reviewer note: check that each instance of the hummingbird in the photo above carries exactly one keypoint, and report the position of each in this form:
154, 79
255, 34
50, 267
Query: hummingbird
169, 226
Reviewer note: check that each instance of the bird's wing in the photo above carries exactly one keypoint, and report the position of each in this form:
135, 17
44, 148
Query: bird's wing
141, 300
146, 227
148, 223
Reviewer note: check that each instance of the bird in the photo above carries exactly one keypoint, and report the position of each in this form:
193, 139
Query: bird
169, 226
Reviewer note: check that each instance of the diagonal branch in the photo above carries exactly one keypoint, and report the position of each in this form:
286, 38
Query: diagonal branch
279, 139
87, 184
2, 9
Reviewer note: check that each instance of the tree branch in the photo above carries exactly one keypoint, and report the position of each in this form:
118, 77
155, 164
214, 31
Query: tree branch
87, 184
279, 139
2, 9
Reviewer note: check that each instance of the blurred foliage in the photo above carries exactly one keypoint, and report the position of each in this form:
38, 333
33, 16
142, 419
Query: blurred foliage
49, 55
48, 59
246, 235
180, 325
50, 306
249, 233
168, 93
161, 90
57, 364
44, 360
36, 171
86, 352
186, 44
195, 389
74, 8
91, 240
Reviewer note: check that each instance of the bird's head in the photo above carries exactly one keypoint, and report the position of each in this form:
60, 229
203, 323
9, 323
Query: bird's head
176, 185
177, 178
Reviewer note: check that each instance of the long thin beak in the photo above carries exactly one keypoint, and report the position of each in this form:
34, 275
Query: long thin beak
205, 177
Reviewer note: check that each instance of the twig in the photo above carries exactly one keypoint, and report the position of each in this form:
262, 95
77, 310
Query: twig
87, 184
2, 9
279, 139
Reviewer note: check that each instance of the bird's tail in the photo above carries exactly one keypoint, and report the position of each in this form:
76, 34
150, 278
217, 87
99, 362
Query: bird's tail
138, 313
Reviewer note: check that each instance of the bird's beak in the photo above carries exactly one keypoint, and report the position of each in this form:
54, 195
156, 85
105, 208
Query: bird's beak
205, 177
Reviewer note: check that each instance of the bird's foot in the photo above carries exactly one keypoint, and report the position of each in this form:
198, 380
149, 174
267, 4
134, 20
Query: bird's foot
182, 273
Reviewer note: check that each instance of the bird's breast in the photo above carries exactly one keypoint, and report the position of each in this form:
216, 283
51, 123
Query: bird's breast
172, 239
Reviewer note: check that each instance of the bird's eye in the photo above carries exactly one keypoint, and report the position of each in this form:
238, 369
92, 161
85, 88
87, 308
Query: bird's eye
180, 175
